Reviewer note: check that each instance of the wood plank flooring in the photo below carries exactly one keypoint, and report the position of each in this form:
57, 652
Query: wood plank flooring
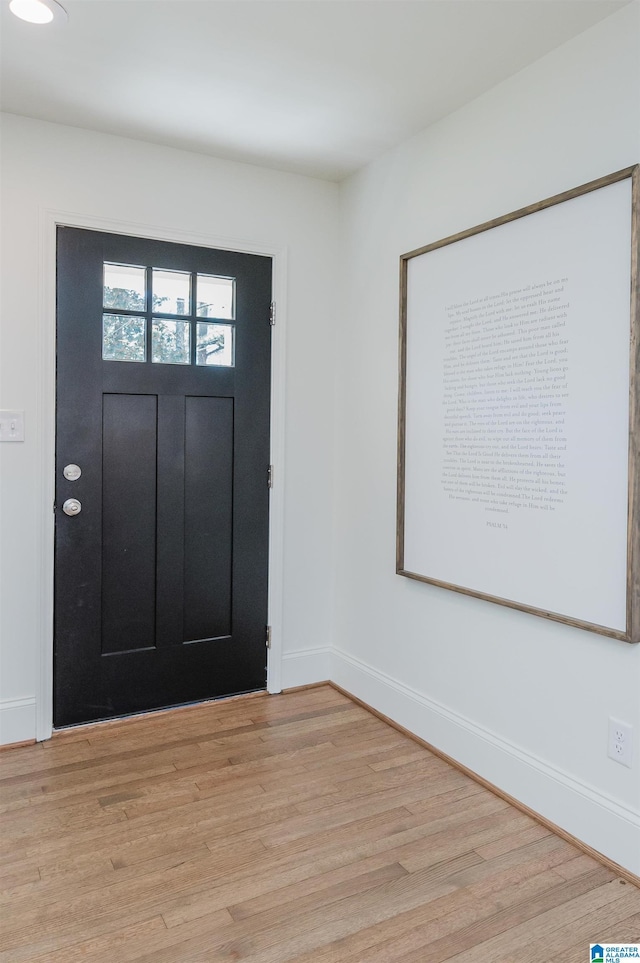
275, 828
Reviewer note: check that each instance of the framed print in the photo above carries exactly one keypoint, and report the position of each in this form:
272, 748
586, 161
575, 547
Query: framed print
518, 447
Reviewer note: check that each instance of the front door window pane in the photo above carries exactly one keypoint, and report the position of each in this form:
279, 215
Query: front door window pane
171, 292
171, 342
123, 338
215, 297
124, 287
215, 344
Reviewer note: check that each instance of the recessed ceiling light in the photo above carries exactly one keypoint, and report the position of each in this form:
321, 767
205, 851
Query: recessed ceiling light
38, 11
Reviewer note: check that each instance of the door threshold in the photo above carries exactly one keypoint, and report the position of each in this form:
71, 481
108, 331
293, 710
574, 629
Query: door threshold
82, 727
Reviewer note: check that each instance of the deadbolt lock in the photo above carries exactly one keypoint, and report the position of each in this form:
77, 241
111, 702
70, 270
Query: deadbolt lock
72, 472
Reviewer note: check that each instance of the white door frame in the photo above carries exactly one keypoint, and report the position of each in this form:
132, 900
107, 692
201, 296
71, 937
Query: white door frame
49, 222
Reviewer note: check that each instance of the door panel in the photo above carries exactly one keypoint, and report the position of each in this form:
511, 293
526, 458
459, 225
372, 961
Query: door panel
161, 580
129, 433
208, 480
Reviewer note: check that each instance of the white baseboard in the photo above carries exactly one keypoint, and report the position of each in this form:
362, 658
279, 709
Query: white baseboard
17, 720
588, 814
305, 667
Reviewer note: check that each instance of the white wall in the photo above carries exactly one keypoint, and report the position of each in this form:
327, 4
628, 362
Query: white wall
520, 700
47, 168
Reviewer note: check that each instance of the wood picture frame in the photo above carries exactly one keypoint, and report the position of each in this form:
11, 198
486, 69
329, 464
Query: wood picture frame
519, 410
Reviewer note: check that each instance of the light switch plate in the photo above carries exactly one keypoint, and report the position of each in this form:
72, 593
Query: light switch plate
11, 425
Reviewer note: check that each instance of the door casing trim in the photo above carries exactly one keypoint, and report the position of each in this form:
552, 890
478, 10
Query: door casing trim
50, 220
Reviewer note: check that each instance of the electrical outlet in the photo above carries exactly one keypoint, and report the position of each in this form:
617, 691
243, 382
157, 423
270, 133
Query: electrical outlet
620, 744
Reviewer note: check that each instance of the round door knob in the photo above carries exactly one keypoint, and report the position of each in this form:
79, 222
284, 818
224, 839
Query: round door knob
72, 507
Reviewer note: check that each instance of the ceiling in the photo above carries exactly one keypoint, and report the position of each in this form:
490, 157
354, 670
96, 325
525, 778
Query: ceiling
317, 87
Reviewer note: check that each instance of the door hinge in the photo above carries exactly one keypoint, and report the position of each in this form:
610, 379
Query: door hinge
272, 313
268, 636
270, 476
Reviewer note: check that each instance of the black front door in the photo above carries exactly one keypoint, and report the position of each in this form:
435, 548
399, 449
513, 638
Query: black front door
162, 454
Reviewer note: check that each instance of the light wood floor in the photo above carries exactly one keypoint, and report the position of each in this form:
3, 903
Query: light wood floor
293, 827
